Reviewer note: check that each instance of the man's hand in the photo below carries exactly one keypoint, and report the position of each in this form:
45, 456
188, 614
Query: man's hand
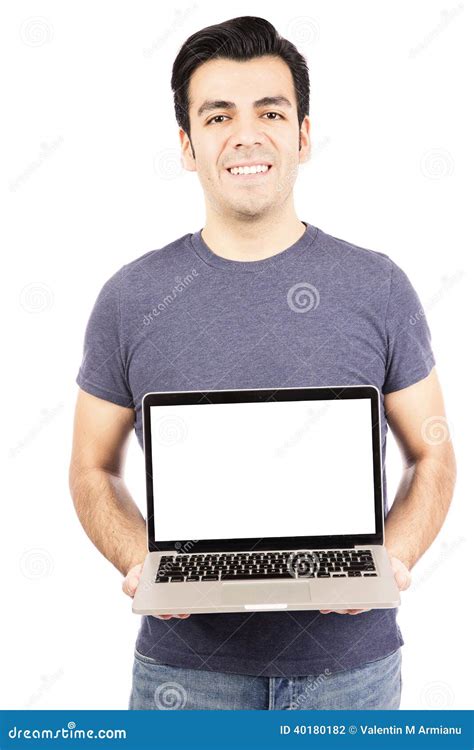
402, 577
401, 572
130, 584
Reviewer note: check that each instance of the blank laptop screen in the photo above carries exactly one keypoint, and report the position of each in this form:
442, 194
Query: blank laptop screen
267, 469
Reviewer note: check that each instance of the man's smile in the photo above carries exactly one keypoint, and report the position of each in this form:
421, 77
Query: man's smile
255, 172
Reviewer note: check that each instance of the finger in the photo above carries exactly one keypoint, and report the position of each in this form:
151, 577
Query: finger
130, 582
401, 572
168, 617
343, 611
403, 579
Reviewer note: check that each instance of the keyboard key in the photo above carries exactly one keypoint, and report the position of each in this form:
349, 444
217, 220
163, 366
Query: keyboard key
261, 564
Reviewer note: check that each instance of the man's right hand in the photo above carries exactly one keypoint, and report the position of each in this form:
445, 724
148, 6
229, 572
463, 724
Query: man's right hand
130, 584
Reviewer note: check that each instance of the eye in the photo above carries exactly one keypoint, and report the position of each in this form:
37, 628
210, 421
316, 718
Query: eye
273, 113
214, 118
264, 115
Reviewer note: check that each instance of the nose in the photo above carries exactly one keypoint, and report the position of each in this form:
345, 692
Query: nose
246, 132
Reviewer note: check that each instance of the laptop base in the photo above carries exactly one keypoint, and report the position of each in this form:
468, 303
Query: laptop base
378, 592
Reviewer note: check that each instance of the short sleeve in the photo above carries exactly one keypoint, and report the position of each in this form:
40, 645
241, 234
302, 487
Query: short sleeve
102, 371
409, 355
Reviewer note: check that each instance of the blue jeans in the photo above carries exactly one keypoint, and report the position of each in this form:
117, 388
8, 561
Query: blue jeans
376, 685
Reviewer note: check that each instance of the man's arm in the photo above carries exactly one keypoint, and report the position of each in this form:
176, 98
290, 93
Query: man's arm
103, 503
417, 419
416, 416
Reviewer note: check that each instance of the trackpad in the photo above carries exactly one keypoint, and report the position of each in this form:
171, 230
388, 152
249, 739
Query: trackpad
265, 593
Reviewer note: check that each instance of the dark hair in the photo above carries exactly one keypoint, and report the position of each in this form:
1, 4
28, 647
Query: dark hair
240, 38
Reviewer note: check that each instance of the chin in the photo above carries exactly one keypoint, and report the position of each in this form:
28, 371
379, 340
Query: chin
250, 211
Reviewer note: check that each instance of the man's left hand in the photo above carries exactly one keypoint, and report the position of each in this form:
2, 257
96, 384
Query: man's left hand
402, 577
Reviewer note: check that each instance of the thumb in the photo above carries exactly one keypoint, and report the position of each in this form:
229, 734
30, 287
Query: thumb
402, 574
130, 582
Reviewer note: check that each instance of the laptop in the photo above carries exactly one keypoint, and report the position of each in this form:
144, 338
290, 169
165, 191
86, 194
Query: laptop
264, 499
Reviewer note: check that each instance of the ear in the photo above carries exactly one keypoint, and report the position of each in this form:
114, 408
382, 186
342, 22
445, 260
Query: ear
305, 140
187, 157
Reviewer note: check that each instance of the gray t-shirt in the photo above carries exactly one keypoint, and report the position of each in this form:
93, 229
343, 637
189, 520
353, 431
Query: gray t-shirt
321, 312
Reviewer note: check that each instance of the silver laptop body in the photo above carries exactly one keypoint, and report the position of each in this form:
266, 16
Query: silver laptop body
264, 500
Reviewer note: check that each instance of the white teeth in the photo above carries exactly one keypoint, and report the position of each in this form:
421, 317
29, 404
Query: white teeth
249, 170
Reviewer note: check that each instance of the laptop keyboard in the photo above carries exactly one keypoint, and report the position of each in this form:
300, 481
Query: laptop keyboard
236, 566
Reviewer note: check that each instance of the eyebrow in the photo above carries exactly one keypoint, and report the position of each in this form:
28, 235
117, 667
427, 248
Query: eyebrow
265, 101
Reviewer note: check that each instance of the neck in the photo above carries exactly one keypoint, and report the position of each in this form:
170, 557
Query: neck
251, 238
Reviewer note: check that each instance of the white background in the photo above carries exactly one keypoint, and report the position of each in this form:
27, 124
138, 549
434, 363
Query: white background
91, 179
263, 470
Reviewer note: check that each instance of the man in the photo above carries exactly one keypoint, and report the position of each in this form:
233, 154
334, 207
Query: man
256, 299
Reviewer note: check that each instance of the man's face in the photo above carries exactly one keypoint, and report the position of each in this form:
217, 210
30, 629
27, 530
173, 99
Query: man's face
229, 129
